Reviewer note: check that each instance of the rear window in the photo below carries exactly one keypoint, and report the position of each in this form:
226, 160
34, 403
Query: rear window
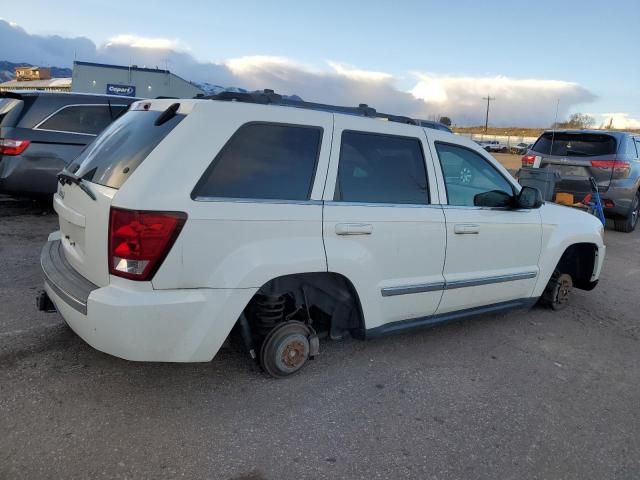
115, 154
576, 144
264, 161
84, 119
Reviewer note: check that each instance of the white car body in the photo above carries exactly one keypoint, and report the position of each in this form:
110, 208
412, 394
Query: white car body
410, 265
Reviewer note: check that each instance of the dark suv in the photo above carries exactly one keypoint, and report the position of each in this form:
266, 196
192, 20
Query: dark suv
611, 158
42, 132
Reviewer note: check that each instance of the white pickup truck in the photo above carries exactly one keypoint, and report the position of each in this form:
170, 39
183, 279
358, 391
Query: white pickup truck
186, 220
494, 146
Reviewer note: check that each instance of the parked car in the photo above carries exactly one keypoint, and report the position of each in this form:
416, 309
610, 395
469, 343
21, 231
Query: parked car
434, 125
493, 146
611, 158
187, 219
520, 148
42, 132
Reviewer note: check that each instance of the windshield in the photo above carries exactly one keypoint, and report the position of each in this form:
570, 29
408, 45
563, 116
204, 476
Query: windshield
576, 144
115, 154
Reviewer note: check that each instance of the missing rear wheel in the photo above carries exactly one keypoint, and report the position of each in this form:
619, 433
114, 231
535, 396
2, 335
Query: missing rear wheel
285, 349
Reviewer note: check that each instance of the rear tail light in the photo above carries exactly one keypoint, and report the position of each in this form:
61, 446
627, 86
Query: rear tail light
528, 160
139, 241
8, 146
621, 168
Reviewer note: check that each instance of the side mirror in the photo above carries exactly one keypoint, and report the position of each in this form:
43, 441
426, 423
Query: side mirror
493, 199
529, 197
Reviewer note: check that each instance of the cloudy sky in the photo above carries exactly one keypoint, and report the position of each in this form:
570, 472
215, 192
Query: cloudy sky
420, 58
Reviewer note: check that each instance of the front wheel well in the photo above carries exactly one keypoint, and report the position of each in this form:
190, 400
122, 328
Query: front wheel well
579, 261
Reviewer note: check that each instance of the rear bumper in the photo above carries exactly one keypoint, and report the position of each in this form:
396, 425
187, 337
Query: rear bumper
620, 193
138, 323
61, 278
22, 175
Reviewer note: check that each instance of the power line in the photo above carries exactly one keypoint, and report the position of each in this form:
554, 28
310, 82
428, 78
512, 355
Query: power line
488, 98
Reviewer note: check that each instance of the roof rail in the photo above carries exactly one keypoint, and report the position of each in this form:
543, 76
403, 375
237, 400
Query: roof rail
269, 97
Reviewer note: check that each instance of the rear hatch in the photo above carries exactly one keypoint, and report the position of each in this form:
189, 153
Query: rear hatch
576, 156
89, 184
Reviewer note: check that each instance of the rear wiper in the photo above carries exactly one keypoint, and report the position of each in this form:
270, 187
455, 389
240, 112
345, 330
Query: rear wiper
65, 177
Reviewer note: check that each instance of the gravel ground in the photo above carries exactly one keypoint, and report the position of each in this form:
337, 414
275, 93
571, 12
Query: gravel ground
534, 394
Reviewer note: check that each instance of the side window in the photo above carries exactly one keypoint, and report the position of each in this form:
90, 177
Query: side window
637, 147
86, 119
470, 179
264, 161
378, 168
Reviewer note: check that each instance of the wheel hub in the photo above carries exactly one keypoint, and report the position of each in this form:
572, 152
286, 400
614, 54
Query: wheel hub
564, 291
294, 354
286, 348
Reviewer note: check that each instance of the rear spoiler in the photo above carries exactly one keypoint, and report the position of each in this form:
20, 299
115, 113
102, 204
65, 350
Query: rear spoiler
13, 95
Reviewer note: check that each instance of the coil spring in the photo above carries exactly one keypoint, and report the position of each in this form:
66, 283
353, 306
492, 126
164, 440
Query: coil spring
268, 311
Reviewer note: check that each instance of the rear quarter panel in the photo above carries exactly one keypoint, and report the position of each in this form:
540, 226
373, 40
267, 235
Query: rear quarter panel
228, 243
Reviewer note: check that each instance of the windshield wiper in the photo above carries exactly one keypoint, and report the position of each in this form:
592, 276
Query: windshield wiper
65, 177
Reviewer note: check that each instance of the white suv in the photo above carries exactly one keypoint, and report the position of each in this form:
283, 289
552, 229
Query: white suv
281, 221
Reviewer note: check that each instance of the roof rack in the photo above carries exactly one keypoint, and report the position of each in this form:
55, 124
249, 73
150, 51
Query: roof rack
269, 97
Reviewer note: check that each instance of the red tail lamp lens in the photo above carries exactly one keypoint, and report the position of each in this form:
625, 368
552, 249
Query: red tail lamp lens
139, 241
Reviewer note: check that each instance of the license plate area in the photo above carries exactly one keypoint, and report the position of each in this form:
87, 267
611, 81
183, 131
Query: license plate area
569, 170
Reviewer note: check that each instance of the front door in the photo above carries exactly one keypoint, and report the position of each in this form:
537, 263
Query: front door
492, 248
381, 229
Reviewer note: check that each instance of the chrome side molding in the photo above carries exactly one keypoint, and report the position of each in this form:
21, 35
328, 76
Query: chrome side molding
408, 289
433, 287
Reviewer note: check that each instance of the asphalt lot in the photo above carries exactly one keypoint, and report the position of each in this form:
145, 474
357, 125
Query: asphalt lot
534, 394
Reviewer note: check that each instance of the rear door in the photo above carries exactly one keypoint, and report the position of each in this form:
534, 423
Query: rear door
104, 167
383, 226
576, 156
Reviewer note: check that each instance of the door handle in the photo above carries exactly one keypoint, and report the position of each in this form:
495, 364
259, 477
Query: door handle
466, 229
354, 229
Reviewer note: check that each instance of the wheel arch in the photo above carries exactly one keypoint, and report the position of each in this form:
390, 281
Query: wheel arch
331, 292
579, 260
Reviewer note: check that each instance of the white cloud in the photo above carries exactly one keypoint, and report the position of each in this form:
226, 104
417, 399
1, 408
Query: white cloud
360, 75
619, 120
519, 102
522, 102
135, 41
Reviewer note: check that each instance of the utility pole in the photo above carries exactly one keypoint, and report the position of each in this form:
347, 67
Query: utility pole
488, 98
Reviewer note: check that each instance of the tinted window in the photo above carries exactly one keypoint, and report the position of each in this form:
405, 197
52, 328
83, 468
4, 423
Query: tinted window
266, 161
381, 169
468, 174
114, 155
87, 119
575, 144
